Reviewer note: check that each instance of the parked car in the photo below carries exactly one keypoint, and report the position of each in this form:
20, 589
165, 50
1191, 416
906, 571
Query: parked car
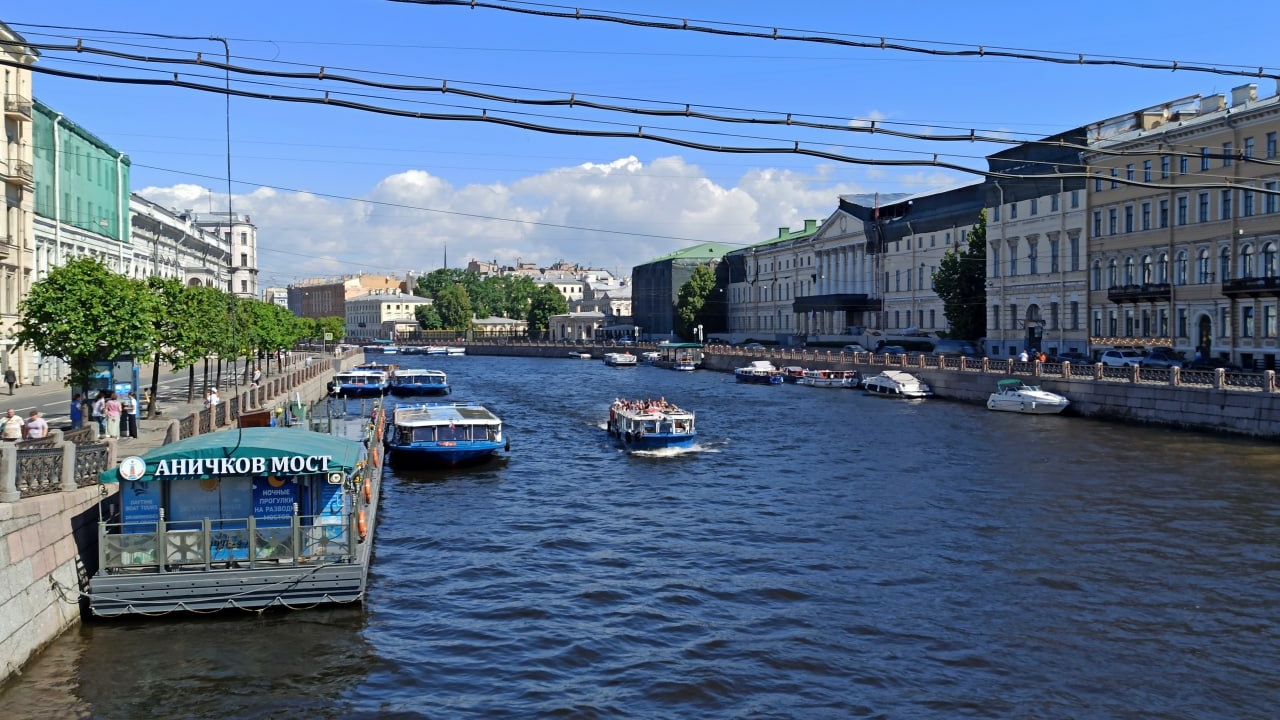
1212, 363
1072, 357
853, 348
1121, 358
952, 346
891, 350
1162, 359
753, 346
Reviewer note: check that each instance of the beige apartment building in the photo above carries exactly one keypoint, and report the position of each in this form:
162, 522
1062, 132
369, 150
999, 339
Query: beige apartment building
327, 297
1184, 215
17, 229
765, 281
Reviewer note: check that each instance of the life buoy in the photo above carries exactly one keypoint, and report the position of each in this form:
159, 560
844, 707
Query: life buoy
373, 457
362, 525
368, 492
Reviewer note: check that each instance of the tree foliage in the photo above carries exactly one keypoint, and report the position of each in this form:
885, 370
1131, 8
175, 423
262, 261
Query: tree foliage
691, 301
546, 301
960, 282
337, 326
453, 304
85, 313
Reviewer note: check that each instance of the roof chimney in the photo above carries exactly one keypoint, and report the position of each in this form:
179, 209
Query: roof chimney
783, 231
810, 225
1213, 103
1243, 94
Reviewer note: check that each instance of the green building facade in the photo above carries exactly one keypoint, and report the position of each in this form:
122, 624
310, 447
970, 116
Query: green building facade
655, 287
80, 180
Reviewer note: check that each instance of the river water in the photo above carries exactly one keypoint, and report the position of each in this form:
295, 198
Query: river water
821, 554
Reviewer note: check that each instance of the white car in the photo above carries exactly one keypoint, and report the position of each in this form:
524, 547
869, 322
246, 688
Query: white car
1121, 358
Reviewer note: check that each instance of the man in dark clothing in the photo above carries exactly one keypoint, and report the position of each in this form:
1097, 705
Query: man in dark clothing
10, 379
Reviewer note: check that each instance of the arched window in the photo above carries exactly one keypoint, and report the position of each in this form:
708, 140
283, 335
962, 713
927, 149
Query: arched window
1246, 261
1180, 268
1162, 268
1097, 274
1111, 273
1202, 267
1146, 270
1224, 265
1128, 271
1269, 260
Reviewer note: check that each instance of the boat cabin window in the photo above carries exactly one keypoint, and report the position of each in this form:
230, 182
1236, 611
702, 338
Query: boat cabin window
454, 432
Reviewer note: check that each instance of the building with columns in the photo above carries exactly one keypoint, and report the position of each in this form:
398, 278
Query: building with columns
169, 244
764, 282
17, 231
842, 290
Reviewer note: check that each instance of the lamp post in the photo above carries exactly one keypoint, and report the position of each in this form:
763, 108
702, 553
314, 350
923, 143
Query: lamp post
699, 331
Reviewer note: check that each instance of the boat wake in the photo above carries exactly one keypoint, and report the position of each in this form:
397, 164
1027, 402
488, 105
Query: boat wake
676, 452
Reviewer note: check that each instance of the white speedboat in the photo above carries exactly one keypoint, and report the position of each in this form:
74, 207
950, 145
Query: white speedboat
622, 359
895, 383
830, 378
1014, 396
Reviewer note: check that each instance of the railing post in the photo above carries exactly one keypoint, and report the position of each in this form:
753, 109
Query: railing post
1175, 376
1219, 378
1097, 371
1269, 380
206, 542
9, 473
68, 463
162, 557
1135, 371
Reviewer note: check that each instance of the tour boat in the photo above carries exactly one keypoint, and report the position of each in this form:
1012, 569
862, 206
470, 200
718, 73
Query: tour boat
792, 373
446, 434
684, 357
759, 371
359, 383
895, 383
1013, 396
249, 518
831, 378
419, 382
650, 425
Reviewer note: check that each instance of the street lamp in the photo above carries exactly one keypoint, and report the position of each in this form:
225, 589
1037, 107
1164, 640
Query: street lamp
699, 329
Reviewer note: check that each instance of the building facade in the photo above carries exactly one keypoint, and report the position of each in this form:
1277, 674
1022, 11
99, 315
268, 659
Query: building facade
168, 244
381, 315
764, 282
17, 231
241, 235
1185, 228
327, 297
655, 287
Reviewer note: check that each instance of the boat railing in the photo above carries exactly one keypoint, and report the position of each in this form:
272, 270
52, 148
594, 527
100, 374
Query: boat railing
225, 544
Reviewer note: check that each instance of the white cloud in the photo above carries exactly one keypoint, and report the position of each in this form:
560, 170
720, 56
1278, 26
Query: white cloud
614, 214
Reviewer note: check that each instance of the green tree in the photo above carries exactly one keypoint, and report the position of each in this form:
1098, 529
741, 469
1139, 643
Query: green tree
84, 313
454, 307
428, 318
960, 282
546, 301
181, 329
432, 283
333, 325
691, 301
517, 293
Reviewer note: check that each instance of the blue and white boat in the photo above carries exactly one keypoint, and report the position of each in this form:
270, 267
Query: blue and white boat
761, 372
360, 382
651, 425
412, 381
443, 434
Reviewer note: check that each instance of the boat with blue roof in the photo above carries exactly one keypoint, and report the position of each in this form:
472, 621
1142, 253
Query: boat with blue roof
651, 425
417, 381
443, 434
361, 382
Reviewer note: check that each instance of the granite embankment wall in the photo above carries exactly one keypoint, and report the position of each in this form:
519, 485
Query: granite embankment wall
1245, 404
49, 542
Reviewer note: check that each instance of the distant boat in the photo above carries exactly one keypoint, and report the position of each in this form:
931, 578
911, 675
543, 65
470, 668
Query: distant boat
651, 425
580, 354
792, 373
622, 359
831, 378
1012, 395
443, 434
419, 382
761, 372
360, 383
455, 350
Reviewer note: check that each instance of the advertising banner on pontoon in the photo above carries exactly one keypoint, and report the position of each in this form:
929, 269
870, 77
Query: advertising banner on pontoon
139, 506
273, 500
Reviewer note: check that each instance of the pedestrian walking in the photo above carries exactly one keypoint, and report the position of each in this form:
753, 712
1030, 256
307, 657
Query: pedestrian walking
10, 379
11, 427
129, 416
76, 412
112, 410
37, 426
97, 413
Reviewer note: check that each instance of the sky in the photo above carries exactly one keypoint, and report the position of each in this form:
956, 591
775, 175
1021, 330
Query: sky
335, 190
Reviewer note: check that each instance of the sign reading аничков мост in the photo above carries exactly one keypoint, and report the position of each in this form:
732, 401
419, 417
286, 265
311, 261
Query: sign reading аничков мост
297, 464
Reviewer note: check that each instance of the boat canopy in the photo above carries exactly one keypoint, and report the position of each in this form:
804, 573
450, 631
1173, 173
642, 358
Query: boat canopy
248, 451
1008, 384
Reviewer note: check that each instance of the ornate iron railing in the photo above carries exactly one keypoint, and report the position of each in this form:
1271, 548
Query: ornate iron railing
39, 471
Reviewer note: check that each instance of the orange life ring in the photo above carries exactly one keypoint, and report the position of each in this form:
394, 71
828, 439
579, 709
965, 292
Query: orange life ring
362, 525
373, 456
368, 492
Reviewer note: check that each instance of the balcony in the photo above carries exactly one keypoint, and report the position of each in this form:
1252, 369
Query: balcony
1252, 287
17, 107
1147, 292
18, 172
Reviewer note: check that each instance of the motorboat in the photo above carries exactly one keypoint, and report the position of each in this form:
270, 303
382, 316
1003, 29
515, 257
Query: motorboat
415, 381
580, 354
793, 373
684, 357
650, 357
1013, 395
455, 351
831, 378
622, 359
443, 434
895, 383
760, 372
650, 425
360, 382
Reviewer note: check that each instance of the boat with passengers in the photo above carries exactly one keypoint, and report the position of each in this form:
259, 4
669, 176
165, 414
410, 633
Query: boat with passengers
418, 381
830, 378
651, 424
443, 434
249, 518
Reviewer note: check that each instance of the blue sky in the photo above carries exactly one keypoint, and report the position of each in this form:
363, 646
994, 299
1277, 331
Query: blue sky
501, 193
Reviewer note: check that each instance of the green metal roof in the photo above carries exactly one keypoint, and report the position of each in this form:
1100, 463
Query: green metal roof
256, 442
705, 251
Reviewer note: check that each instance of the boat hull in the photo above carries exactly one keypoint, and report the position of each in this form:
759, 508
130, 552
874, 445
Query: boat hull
359, 391
656, 441
419, 390
758, 379
1027, 407
437, 456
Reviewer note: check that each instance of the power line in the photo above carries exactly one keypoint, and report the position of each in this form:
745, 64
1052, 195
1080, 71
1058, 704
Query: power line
872, 42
